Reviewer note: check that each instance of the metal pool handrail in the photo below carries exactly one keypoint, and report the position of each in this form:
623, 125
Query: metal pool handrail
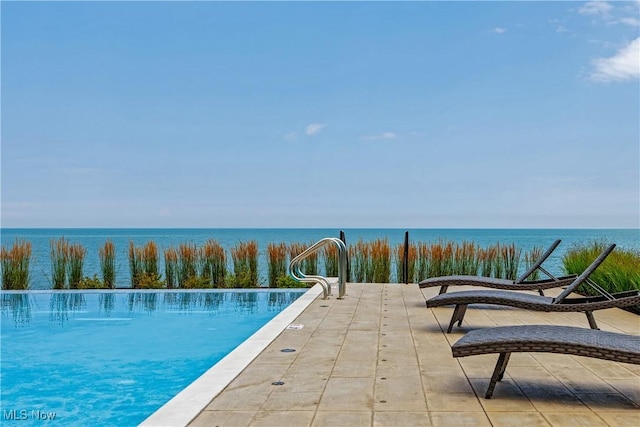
296, 273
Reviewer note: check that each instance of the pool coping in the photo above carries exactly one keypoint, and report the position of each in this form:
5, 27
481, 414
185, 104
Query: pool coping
186, 405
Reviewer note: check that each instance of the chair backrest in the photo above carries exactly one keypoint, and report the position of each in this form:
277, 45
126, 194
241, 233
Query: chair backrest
585, 274
538, 263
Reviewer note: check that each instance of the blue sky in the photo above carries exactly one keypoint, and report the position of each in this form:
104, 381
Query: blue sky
321, 114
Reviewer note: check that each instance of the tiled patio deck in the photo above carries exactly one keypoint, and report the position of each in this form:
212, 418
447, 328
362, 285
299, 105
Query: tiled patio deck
380, 358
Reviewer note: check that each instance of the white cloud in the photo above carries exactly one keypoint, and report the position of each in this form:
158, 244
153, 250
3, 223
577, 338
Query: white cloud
595, 8
499, 30
562, 29
625, 65
291, 136
314, 128
634, 22
385, 135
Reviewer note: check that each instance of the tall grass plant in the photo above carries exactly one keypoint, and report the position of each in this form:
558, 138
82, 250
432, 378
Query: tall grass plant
107, 254
15, 265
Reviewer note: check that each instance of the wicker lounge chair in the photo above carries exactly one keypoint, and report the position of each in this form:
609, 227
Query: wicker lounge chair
520, 284
560, 303
546, 339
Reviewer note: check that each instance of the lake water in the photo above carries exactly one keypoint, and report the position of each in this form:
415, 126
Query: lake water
92, 239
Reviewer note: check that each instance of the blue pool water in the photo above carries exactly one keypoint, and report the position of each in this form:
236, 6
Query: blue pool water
113, 358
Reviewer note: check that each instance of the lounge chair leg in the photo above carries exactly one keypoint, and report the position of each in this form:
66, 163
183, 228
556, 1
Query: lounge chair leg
458, 315
591, 319
541, 292
498, 373
443, 289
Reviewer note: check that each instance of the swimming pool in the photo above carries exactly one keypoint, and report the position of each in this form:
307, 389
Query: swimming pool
113, 358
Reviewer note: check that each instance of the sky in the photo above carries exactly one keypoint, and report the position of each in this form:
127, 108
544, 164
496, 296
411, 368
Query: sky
320, 114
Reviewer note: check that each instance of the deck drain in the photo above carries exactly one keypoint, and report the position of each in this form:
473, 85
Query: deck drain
277, 383
324, 306
288, 350
383, 378
383, 401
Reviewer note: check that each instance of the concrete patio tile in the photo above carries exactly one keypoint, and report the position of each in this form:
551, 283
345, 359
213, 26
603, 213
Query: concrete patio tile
544, 391
584, 418
448, 419
348, 394
630, 388
582, 380
398, 388
397, 356
244, 398
223, 418
605, 402
450, 402
273, 355
282, 418
507, 397
342, 418
283, 400
446, 381
621, 419
384, 331
479, 366
258, 374
401, 419
301, 380
554, 402
510, 419
356, 358
312, 366
522, 359
364, 324
605, 369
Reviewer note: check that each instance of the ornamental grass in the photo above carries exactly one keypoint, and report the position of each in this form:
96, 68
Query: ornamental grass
439, 259
59, 251
213, 263
107, 254
277, 260
15, 265
188, 265
329, 255
143, 266
488, 257
360, 262
245, 264
380, 261
618, 273
135, 265
530, 257
149, 259
465, 259
76, 254
171, 265
510, 260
